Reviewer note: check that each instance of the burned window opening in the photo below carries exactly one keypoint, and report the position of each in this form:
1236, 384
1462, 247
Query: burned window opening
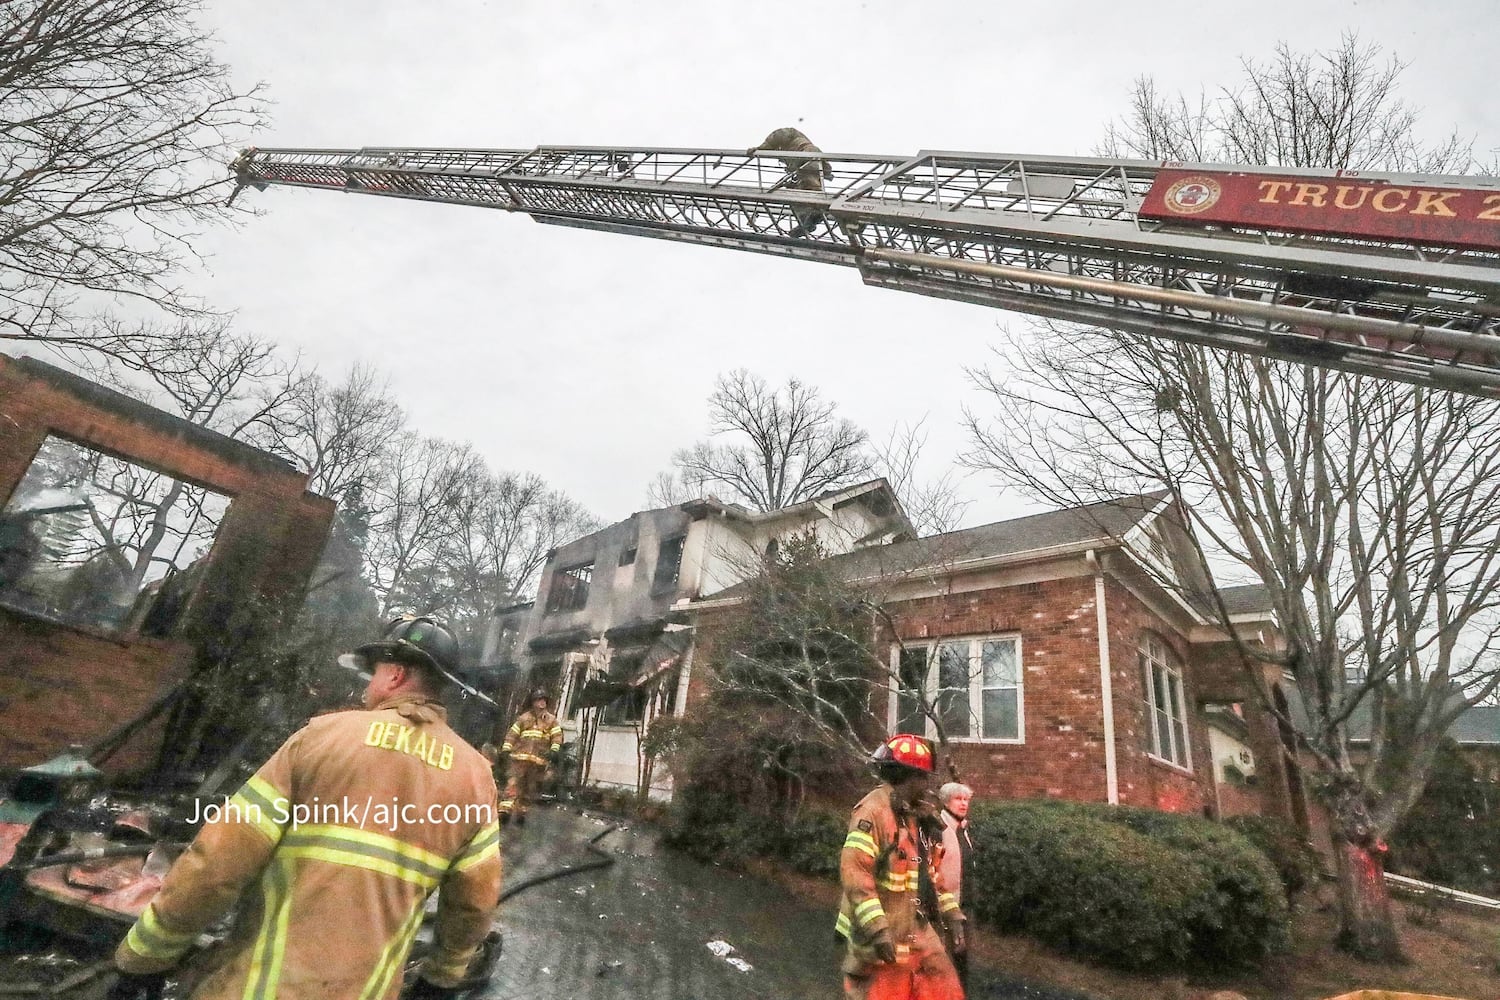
98, 542
668, 562
570, 588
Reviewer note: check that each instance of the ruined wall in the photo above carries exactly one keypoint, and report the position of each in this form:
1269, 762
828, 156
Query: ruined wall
70, 684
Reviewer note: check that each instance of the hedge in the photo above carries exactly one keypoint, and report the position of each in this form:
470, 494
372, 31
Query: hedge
1292, 855
1133, 888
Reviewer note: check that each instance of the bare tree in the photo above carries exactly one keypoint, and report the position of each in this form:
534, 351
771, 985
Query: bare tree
933, 506
1368, 510
787, 444
228, 382
799, 682
337, 432
1339, 108
115, 120
669, 490
504, 526
415, 499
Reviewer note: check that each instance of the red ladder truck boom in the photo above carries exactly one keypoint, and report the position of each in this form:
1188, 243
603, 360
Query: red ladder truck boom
1377, 273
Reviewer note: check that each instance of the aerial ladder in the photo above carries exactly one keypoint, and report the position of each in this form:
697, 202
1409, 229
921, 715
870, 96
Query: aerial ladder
1375, 273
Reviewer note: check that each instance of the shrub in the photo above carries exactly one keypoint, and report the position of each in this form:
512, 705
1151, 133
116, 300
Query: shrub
811, 842
1295, 859
1128, 887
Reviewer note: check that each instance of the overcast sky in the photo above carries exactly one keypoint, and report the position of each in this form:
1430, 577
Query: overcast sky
586, 357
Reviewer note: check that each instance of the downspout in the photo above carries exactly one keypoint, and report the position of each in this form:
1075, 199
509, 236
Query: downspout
1106, 684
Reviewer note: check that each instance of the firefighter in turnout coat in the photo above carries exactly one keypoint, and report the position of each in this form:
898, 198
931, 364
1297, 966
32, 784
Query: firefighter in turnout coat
804, 175
892, 889
332, 898
533, 741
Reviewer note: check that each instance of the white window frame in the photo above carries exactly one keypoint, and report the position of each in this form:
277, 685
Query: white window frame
1158, 658
976, 685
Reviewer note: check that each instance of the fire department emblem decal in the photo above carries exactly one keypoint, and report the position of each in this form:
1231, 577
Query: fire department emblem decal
1192, 195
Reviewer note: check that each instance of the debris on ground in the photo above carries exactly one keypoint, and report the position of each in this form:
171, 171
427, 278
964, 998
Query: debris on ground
726, 951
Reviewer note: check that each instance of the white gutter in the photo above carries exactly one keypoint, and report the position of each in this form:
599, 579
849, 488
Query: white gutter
1106, 682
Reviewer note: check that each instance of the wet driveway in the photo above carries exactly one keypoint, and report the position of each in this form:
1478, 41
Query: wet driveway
657, 926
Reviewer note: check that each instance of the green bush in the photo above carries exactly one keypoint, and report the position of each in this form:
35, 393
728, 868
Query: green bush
811, 842
1295, 859
1132, 888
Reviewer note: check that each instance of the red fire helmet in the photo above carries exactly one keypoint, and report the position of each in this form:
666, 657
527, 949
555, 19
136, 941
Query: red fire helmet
906, 750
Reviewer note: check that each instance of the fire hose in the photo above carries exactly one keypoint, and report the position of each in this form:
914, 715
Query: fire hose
484, 967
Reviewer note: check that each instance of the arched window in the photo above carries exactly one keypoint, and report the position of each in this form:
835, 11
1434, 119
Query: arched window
1166, 704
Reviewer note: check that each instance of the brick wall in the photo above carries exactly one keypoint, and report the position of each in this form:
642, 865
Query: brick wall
65, 685
1144, 779
1063, 752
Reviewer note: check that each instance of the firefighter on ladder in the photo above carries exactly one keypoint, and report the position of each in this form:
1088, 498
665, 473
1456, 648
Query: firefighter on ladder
805, 175
533, 741
892, 950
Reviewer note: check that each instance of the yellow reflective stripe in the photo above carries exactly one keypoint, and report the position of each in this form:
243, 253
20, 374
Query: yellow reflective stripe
528, 758
393, 957
149, 939
868, 912
841, 925
481, 847
555, 732
515, 727
893, 883
259, 803
946, 902
532, 734
270, 946
913, 880
420, 857
859, 841
357, 859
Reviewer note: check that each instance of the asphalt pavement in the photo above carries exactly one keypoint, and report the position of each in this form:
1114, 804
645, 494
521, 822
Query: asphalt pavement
658, 926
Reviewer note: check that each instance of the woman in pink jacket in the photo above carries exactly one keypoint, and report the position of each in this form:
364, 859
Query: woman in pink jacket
957, 847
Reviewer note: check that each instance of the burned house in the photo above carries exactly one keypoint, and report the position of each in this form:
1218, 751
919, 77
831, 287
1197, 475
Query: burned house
129, 541
603, 634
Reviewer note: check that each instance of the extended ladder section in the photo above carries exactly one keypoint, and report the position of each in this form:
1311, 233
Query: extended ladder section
1391, 275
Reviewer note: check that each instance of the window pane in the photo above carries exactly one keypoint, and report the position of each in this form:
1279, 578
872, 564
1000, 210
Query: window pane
953, 684
1001, 717
1179, 720
1163, 735
103, 543
1160, 698
998, 659
953, 665
953, 710
913, 674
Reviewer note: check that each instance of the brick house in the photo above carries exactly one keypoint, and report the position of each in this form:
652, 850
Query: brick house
1059, 662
